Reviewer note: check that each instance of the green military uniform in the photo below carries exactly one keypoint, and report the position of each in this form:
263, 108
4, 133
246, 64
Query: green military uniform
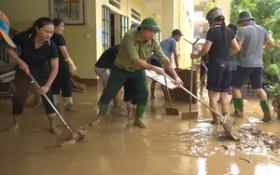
131, 48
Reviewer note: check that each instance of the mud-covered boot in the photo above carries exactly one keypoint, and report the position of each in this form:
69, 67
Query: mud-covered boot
238, 107
101, 116
266, 111
53, 128
56, 100
139, 123
69, 106
16, 124
140, 109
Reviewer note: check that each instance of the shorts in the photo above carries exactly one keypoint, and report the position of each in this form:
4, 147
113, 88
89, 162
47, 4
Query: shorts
219, 76
242, 74
103, 74
155, 62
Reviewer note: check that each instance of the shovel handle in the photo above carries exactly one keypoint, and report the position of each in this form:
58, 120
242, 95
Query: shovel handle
167, 89
35, 83
190, 93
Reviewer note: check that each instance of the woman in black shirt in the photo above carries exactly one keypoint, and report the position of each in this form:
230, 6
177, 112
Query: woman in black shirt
62, 82
220, 44
40, 54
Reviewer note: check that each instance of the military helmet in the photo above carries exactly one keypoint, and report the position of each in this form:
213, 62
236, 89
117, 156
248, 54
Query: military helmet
149, 23
245, 15
214, 13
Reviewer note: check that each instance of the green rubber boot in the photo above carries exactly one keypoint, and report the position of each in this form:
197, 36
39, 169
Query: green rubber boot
238, 107
266, 111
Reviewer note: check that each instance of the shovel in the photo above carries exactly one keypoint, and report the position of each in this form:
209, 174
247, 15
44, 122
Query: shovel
75, 136
226, 121
190, 114
169, 110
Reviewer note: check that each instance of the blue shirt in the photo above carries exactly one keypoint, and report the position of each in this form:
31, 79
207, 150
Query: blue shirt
168, 46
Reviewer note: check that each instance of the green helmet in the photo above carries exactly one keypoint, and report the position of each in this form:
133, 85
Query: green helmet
245, 15
149, 23
214, 13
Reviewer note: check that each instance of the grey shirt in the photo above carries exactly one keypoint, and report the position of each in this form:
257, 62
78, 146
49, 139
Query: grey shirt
253, 37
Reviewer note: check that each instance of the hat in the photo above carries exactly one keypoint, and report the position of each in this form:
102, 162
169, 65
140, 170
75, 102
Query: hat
245, 15
4, 30
214, 13
149, 23
177, 32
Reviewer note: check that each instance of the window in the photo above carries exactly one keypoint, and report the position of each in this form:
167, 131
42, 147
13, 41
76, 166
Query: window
106, 28
135, 15
115, 3
124, 25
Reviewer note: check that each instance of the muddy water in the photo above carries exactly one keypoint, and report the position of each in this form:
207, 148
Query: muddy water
168, 146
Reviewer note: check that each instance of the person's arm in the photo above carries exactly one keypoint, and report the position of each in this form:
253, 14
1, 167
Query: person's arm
234, 47
13, 56
176, 58
269, 40
169, 67
205, 49
68, 59
54, 69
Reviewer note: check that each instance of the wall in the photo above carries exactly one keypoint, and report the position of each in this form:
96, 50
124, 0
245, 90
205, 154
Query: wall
80, 38
84, 42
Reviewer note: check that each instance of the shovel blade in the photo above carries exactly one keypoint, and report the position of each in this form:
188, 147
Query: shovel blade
171, 111
189, 115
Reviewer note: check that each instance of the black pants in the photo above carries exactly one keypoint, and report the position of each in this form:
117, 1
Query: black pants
22, 83
62, 81
129, 91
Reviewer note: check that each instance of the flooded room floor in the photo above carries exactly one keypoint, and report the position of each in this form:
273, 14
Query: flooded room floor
169, 145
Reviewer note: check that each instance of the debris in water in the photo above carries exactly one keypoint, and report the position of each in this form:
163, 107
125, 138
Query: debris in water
80, 135
246, 160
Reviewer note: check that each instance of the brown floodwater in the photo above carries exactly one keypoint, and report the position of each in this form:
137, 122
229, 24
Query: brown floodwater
169, 146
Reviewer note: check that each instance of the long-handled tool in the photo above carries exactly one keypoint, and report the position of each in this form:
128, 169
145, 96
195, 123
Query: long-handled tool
226, 121
74, 135
169, 110
190, 114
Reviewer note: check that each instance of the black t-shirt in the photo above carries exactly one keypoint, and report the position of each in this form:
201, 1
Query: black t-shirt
59, 40
108, 57
219, 49
38, 59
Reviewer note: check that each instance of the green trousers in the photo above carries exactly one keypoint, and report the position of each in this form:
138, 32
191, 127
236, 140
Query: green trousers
116, 80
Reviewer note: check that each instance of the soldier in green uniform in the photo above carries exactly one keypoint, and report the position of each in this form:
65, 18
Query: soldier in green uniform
135, 49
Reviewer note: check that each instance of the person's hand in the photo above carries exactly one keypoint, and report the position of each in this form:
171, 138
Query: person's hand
158, 70
44, 89
193, 56
24, 67
72, 66
179, 82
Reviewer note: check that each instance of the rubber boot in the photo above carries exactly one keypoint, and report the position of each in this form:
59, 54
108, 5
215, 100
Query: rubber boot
101, 116
266, 111
16, 124
129, 109
53, 128
56, 100
238, 107
69, 106
140, 109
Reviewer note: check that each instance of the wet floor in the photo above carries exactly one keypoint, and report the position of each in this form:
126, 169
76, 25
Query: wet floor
169, 146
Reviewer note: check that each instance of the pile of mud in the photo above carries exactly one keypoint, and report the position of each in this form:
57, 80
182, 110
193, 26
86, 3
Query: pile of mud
252, 139
206, 140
